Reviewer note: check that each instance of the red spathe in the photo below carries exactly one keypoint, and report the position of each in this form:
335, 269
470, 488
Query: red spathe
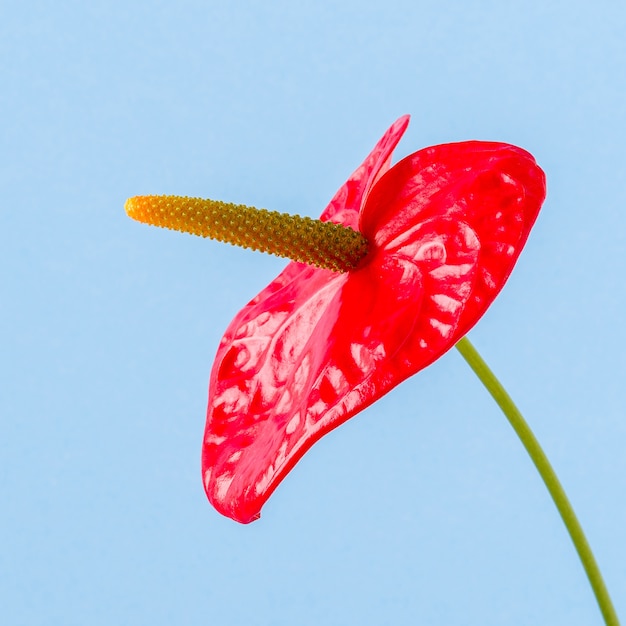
445, 227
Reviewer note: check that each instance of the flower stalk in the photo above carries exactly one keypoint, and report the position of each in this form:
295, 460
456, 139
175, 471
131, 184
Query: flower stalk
548, 475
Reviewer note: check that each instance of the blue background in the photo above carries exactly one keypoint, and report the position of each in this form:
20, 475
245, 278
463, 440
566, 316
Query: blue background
422, 509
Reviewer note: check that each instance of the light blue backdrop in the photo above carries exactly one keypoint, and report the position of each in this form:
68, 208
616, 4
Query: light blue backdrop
424, 509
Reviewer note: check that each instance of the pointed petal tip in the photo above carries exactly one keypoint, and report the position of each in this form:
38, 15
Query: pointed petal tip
402, 122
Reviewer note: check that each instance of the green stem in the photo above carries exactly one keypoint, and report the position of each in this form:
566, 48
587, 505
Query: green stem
548, 475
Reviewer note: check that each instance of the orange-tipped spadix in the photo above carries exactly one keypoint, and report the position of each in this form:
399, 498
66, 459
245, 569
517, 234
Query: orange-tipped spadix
322, 244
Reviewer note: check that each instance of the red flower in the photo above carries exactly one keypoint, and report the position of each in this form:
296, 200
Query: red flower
445, 226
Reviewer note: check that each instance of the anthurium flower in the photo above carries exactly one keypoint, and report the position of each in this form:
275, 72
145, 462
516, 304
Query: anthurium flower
424, 247
445, 227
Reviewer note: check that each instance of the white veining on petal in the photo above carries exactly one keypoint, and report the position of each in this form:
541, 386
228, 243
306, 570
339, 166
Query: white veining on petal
431, 251
487, 278
264, 479
222, 484
231, 400
444, 329
365, 357
214, 440
446, 272
292, 424
446, 303
235, 456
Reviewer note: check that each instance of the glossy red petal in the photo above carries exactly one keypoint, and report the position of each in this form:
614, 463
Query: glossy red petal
446, 225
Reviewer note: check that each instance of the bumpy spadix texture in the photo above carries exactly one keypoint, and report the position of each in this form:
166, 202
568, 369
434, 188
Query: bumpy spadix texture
445, 226
323, 244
